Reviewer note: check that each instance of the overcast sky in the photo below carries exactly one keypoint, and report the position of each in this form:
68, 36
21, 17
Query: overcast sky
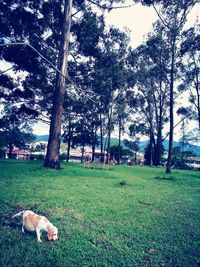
139, 19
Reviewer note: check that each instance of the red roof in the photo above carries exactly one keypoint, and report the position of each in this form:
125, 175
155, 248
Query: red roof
18, 151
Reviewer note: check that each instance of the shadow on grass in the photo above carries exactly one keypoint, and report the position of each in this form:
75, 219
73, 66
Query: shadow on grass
163, 178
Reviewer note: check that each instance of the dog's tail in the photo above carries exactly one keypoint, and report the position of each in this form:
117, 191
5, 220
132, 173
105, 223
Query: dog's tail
18, 214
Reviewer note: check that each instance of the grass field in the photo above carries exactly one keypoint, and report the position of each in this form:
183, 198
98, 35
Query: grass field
126, 216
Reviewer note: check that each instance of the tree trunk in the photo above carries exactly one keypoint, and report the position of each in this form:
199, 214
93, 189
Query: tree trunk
69, 138
109, 134
119, 144
68, 148
158, 148
10, 149
159, 140
108, 148
171, 116
151, 143
94, 143
101, 137
104, 148
52, 155
183, 142
151, 136
196, 83
82, 153
198, 103
159, 122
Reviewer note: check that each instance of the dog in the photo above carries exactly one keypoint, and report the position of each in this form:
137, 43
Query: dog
34, 222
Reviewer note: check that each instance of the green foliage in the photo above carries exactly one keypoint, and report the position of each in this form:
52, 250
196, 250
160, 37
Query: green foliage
150, 154
181, 158
134, 147
36, 157
114, 152
86, 37
127, 216
191, 70
63, 157
14, 131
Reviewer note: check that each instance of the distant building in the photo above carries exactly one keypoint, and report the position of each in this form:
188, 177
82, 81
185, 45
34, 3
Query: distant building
194, 163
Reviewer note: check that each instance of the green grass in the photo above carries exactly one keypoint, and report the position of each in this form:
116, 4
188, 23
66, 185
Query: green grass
126, 216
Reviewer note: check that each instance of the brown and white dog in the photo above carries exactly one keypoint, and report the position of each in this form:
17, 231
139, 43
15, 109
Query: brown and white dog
34, 222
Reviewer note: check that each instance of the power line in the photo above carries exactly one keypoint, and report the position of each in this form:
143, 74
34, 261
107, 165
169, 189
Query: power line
49, 62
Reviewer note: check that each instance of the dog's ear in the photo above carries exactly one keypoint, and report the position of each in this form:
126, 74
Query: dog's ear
49, 234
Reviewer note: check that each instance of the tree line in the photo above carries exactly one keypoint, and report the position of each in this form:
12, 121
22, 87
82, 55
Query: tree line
78, 75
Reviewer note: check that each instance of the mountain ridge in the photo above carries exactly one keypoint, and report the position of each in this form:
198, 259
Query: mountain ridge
142, 144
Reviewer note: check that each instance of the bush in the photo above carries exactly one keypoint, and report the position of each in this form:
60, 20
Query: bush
2, 153
36, 157
63, 157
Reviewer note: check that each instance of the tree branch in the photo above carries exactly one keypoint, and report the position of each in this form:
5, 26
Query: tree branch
73, 15
109, 8
44, 121
160, 17
53, 66
45, 59
6, 70
176, 125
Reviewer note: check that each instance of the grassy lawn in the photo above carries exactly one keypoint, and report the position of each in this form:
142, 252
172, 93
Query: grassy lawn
126, 216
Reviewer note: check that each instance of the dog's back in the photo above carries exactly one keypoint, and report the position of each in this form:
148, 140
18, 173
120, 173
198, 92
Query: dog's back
31, 220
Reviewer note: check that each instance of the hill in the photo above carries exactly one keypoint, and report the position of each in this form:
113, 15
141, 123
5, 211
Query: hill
195, 149
43, 138
143, 144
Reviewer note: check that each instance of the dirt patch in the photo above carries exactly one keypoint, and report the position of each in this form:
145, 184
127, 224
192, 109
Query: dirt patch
6, 217
123, 184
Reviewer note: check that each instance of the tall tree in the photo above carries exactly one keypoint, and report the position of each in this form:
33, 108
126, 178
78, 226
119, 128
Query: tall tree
111, 75
52, 155
150, 99
121, 114
190, 50
173, 15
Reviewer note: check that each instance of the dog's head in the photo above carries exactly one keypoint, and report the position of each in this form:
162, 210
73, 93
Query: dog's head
52, 233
